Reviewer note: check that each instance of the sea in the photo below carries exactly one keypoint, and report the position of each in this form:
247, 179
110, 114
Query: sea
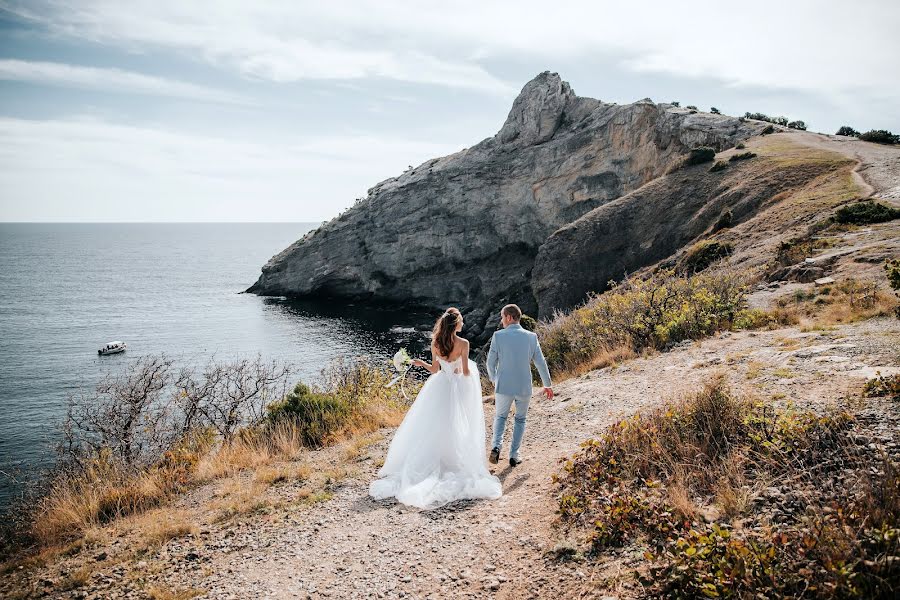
175, 289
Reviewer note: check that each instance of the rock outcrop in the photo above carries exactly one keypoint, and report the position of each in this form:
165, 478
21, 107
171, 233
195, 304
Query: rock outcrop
465, 229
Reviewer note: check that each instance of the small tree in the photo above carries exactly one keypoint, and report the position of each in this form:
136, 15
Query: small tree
700, 155
691, 107
676, 103
797, 125
892, 267
714, 111
848, 131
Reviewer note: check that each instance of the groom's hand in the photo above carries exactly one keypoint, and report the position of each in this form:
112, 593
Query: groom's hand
549, 393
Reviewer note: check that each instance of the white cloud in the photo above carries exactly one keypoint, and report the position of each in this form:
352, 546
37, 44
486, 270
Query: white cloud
109, 80
85, 169
807, 44
277, 41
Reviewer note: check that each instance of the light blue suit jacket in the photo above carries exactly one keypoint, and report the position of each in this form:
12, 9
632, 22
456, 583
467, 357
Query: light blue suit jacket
509, 361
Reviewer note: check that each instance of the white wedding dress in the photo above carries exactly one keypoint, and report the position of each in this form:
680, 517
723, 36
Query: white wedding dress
438, 452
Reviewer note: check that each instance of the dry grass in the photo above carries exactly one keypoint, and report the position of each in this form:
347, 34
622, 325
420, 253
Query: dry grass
354, 451
77, 579
754, 368
102, 493
605, 357
237, 498
846, 301
157, 592
159, 526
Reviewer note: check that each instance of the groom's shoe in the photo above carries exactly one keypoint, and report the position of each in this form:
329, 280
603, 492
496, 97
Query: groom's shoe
514, 461
495, 456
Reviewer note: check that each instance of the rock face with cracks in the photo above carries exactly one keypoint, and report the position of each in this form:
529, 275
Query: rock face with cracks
465, 229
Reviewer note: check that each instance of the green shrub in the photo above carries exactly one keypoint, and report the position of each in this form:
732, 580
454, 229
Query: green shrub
892, 268
719, 166
848, 131
316, 415
704, 253
726, 219
351, 397
715, 110
700, 155
797, 125
691, 107
880, 136
675, 103
528, 323
662, 309
740, 146
883, 385
865, 213
758, 116
741, 156
780, 121
767, 130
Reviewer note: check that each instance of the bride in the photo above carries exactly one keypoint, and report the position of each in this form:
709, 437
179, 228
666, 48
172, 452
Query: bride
438, 452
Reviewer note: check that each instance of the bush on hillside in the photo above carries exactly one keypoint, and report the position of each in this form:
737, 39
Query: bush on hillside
726, 220
797, 125
865, 213
700, 155
662, 309
316, 415
892, 268
528, 323
880, 136
675, 103
719, 166
704, 253
783, 121
741, 156
715, 110
691, 107
767, 130
848, 131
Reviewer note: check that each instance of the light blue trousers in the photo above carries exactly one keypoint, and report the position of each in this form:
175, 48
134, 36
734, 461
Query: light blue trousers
502, 404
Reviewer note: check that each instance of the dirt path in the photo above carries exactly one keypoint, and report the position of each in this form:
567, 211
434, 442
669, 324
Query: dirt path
878, 172
354, 547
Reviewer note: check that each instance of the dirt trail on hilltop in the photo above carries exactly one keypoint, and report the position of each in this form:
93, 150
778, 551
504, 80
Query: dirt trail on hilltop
878, 172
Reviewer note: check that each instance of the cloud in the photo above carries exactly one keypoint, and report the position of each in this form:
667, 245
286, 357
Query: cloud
110, 80
279, 41
809, 45
87, 169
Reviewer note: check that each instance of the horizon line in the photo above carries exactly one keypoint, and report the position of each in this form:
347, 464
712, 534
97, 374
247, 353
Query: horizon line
160, 222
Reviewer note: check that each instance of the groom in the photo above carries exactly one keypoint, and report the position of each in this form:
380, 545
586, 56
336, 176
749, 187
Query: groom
509, 368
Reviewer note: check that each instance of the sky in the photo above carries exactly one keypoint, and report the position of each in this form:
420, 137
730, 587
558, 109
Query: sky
166, 110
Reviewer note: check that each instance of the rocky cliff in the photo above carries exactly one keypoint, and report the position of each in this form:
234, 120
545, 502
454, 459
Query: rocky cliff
750, 205
465, 229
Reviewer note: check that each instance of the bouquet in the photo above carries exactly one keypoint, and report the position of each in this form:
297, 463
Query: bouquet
402, 363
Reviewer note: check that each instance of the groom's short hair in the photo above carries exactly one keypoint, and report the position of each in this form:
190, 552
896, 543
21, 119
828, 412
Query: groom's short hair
512, 311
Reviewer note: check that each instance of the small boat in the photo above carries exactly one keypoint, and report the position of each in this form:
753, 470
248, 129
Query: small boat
112, 348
